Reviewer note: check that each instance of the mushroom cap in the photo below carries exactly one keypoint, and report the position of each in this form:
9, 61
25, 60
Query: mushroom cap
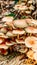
34, 22
9, 34
3, 30
20, 41
31, 22
3, 46
31, 29
20, 23
20, 32
23, 7
31, 41
7, 19
10, 43
3, 35
23, 50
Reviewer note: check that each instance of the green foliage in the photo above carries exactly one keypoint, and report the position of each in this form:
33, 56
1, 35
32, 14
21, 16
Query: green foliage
12, 15
16, 1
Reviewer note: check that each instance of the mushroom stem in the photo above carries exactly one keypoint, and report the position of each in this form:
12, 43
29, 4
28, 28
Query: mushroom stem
30, 34
18, 36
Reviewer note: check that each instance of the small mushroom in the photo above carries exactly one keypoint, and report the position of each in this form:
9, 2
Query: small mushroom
20, 41
10, 43
7, 19
18, 32
31, 22
31, 30
3, 35
3, 46
3, 30
9, 34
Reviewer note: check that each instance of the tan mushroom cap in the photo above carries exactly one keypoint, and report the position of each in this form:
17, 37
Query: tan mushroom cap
20, 6
34, 22
23, 8
7, 19
3, 30
20, 32
3, 35
31, 29
3, 46
20, 23
31, 22
10, 43
23, 50
31, 41
9, 34
20, 41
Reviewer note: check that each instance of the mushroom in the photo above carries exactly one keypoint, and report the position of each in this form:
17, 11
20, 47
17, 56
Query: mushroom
7, 19
20, 23
20, 41
9, 34
10, 43
31, 42
23, 50
31, 22
3, 35
3, 30
18, 32
31, 30
3, 46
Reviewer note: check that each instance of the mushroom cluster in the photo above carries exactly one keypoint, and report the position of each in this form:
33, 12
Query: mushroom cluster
22, 7
18, 35
27, 7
